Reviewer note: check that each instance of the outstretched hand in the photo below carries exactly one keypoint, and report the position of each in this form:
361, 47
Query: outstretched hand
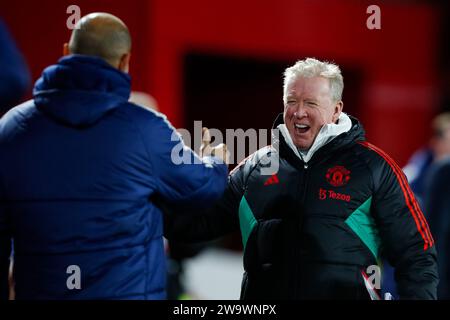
220, 151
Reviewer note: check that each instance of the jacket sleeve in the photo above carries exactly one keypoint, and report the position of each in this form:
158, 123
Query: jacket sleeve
5, 250
210, 223
437, 208
405, 236
180, 176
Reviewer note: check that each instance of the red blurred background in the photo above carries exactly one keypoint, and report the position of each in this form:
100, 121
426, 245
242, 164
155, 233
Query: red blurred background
222, 62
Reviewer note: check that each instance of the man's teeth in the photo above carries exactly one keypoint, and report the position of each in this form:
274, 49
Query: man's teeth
301, 126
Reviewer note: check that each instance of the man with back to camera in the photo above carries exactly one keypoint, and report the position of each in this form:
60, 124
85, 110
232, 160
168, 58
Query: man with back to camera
80, 168
317, 225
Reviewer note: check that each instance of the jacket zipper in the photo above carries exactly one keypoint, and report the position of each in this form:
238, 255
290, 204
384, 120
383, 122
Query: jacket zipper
300, 224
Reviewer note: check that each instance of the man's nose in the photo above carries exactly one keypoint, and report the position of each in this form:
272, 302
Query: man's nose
300, 112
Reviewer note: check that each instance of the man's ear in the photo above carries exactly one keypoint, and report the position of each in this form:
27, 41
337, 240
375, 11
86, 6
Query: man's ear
124, 63
337, 111
66, 50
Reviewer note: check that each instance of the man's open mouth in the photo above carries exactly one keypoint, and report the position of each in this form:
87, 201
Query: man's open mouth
301, 128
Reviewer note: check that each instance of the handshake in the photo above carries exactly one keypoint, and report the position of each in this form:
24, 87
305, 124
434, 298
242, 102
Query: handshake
220, 151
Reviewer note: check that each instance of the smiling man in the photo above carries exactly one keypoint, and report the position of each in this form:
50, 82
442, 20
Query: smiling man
318, 108
312, 104
317, 227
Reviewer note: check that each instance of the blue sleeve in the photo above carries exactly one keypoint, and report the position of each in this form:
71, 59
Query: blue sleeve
181, 176
5, 250
15, 78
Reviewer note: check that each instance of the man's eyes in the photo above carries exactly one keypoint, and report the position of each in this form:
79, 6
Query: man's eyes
309, 103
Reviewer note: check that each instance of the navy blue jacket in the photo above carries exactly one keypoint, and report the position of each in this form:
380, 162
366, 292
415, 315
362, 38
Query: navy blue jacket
80, 168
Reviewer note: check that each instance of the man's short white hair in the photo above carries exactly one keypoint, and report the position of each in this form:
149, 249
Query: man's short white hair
311, 67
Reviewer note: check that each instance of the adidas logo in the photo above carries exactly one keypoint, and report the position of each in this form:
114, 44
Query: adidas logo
273, 179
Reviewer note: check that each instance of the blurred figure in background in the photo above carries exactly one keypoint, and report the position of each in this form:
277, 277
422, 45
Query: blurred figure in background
15, 77
81, 169
418, 171
15, 80
440, 143
436, 198
437, 208
438, 148
144, 99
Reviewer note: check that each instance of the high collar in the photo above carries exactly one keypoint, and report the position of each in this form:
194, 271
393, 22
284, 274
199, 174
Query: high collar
339, 141
326, 134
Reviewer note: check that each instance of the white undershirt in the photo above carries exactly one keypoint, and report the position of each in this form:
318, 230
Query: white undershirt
326, 134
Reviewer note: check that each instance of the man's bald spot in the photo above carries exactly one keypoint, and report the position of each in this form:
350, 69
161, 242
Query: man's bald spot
102, 35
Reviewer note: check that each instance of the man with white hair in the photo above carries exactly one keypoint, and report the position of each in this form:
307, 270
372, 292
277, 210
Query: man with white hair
317, 227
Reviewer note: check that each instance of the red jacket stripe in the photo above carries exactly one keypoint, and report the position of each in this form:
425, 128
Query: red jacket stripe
406, 190
412, 199
411, 202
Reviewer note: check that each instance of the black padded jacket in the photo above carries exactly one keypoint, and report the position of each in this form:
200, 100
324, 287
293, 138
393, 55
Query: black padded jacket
316, 230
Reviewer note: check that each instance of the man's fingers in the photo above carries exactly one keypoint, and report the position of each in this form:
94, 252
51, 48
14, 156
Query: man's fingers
205, 148
206, 136
221, 152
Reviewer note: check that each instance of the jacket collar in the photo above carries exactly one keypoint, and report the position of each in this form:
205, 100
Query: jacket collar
340, 141
326, 134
